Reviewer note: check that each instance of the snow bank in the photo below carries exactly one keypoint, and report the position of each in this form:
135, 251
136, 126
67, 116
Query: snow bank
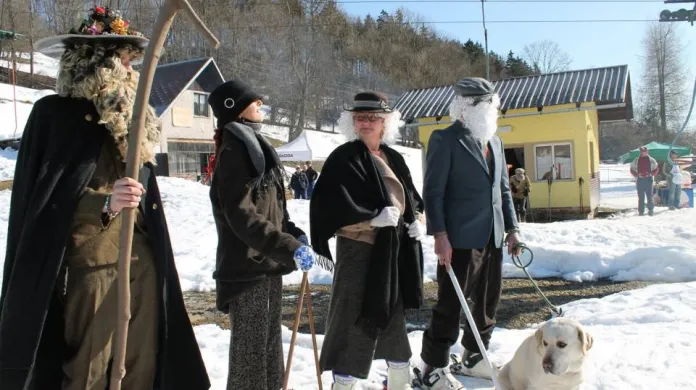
43, 64
660, 248
26, 98
643, 339
8, 160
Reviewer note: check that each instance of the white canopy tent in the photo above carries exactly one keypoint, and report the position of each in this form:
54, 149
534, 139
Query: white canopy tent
309, 146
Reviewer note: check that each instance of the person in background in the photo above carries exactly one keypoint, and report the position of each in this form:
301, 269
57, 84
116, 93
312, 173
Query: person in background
59, 305
312, 176
257, 242
366, 197
674, 179
520, 187
298, 183
469, 209
644, 168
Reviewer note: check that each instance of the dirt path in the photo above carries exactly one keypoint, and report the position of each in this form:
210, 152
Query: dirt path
520, 305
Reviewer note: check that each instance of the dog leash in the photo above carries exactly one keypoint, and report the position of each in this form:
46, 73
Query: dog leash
518, 263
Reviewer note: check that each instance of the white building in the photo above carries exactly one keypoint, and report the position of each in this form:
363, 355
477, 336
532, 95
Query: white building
180, 97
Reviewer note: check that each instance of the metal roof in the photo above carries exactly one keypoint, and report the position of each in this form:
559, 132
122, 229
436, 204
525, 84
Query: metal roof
172, 79
610, 85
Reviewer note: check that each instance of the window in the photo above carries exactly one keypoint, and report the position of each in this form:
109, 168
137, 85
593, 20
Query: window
557, 157
200, 104
188, 157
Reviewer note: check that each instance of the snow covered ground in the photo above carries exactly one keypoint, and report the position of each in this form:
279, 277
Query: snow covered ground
628, 247
8, 158
617, 187
25, 98
43, 64
643, 340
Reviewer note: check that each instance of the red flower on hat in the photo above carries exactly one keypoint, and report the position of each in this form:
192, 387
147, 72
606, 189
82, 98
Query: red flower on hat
99, 10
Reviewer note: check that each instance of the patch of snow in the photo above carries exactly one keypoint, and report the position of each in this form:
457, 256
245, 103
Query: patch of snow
25, 97
43, 64
643, 340
8, 160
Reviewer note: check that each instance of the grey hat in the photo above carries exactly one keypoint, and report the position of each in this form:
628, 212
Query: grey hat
474, 87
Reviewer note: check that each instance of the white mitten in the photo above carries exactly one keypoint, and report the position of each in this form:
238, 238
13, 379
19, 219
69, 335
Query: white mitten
389, 216
417, 230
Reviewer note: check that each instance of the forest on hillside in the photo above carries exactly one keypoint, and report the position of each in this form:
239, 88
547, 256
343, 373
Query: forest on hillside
309, 56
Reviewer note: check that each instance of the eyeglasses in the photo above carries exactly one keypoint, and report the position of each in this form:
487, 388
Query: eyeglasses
367, 118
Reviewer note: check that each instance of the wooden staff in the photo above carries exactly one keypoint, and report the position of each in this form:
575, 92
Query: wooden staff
304, 290
164, 21
312, 330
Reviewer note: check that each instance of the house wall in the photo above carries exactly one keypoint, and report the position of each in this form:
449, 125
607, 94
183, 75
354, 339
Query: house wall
179, 122
186, 138
576, 129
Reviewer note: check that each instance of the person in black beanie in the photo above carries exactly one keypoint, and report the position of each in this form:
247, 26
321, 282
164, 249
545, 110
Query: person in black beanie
257, 242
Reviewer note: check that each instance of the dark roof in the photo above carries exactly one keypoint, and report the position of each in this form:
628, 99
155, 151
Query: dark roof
172, 79
603, 86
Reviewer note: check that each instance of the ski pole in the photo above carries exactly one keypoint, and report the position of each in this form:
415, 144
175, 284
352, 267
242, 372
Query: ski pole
472, 325
305, 292
298, 314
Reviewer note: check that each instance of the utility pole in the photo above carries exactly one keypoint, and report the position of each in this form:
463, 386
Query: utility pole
683, 15
485, 40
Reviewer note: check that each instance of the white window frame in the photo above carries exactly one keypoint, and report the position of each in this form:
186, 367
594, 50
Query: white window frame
553, 154
195, 101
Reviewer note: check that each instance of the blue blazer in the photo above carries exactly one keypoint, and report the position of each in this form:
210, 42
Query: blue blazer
462, 196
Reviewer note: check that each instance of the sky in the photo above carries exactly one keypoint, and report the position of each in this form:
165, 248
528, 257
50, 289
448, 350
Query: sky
588, 44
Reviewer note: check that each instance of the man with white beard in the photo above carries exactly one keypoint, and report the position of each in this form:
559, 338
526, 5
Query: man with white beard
469, 209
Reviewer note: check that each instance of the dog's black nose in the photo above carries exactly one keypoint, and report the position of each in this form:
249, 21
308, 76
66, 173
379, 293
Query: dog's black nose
547, 365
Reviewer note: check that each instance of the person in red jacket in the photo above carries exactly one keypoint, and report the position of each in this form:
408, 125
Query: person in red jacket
644, 168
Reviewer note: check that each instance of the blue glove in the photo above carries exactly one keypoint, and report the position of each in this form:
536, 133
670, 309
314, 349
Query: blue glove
303, 239
304, 258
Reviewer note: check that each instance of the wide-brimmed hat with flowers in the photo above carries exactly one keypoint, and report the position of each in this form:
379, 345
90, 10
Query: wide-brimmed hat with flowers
102, 25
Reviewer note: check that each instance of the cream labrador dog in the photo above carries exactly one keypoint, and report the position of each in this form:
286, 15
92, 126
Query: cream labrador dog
550, 359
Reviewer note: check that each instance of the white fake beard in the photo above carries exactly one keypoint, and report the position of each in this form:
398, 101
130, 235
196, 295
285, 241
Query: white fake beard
481, 119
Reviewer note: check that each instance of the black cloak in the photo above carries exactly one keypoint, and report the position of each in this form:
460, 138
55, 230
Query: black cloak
58, 156
350, 190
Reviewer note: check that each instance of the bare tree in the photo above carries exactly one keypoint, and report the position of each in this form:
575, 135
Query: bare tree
664, 87
546, 57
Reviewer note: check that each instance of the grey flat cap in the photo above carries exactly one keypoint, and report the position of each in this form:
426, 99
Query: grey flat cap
474, 86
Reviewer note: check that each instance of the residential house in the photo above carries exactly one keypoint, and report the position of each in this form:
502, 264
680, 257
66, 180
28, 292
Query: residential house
180, 97
549, 125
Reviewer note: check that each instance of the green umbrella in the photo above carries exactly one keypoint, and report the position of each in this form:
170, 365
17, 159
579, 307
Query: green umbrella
657, 150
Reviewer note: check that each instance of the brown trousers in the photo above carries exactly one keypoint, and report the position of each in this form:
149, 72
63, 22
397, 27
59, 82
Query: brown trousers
91, 306
479, 273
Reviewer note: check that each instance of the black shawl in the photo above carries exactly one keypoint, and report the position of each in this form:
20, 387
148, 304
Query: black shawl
350, 190
58, 156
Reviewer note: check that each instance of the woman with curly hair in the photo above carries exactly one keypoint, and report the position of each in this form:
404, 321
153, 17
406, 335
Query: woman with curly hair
365, 196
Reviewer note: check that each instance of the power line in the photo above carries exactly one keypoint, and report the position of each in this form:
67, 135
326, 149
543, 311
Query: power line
447, 22
348, 2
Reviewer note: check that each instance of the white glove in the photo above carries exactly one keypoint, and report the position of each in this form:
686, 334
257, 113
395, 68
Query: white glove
389, 216
417, 230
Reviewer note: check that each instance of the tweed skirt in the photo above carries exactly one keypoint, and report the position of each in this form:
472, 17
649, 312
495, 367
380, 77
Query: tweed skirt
347, 350
256, 345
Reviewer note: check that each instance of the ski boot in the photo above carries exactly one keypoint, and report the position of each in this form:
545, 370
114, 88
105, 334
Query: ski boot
471, 364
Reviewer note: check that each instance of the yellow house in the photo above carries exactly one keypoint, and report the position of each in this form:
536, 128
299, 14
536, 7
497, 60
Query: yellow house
549, 125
